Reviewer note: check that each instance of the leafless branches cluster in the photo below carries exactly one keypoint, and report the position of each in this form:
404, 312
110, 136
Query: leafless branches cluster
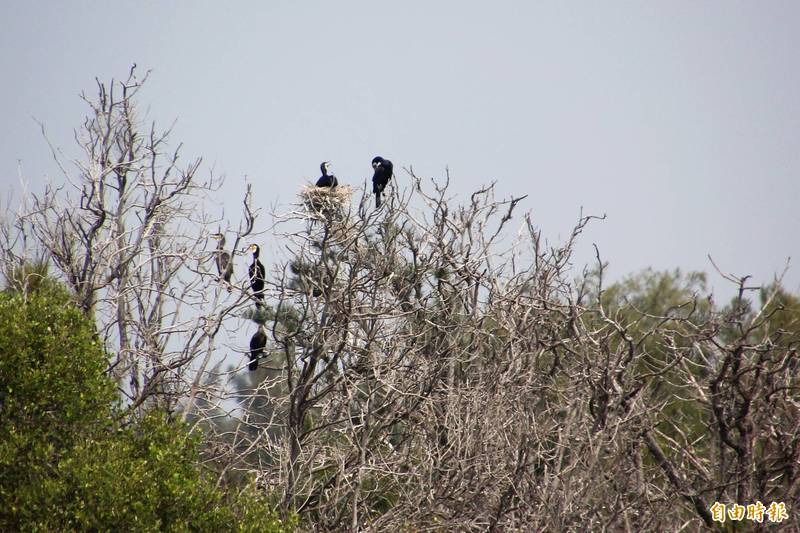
424, 370
128, 234
427, 375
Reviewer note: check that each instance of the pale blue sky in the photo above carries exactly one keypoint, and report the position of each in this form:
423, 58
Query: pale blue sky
678, 119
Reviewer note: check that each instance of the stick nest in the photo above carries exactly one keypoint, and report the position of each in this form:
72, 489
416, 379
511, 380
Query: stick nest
323, 201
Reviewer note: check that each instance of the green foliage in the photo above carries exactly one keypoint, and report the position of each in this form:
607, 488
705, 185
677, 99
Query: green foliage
656, 293
146, 477
67, 462
51, 369
781, 313
642, 302
28, 278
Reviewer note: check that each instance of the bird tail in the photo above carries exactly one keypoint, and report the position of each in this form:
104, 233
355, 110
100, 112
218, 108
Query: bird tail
377, 199
253, 362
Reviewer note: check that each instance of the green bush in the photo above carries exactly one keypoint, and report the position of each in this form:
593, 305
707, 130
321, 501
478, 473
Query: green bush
67, 464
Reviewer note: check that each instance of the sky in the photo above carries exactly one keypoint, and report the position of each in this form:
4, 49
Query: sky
679, 120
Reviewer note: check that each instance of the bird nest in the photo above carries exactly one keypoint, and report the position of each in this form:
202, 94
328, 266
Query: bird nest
321, 202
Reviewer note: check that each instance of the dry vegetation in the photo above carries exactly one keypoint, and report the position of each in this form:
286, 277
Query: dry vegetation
425, 371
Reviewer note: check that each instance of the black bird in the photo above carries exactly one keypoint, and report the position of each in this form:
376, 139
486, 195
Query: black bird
383, 173
257, 275
327, 180
224, 263
257, 344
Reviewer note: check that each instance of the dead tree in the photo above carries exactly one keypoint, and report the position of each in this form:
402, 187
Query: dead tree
128, 234
428, 372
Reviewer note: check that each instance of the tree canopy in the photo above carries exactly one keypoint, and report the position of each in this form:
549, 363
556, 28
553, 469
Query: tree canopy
68, 461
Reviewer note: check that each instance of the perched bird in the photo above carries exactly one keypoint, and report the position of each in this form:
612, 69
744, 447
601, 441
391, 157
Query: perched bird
383, 173
327, 179
224, 263
257, 344
257, 275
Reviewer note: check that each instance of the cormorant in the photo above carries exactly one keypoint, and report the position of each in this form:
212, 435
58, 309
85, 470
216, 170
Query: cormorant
383, 173
257, 275
257, 344
224, 263
327, 180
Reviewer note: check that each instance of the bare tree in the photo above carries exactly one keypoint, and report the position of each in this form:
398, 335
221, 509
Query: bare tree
129, 235
427, 373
